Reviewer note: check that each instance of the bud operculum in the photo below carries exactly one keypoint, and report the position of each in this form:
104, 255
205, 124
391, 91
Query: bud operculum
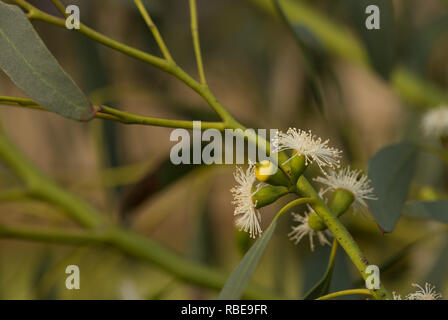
268, 172
268, 194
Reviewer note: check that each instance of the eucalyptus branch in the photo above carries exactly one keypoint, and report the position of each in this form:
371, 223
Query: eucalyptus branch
196, 43
154, 30
61, 8
119, 116
40, 187
366, 292
135, 246
170, 67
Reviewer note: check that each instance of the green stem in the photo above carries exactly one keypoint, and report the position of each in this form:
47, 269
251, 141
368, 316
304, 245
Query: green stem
165, 65
196, 43
61, 8
345, 293
154, 30
43, 188
138, 247
119, 116
340, 233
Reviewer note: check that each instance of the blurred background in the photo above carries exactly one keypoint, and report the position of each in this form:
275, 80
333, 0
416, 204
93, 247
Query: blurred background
316, 67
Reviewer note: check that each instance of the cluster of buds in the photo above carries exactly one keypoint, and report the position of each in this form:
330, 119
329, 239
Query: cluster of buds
265, 182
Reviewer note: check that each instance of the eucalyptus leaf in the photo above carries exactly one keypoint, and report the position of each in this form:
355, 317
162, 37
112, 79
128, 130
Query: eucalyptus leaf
238, 280
391, 170
434, 210
322, 286
30, 65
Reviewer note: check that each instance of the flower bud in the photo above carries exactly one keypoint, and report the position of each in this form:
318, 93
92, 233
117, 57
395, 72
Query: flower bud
298, 166
341, 201
315, 222
268, 194
268, 172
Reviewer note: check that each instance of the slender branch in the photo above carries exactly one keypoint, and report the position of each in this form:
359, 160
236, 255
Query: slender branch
292, 204
119, 116
138, 247
61, 8
130, 118
196, 43
366, 292
154, 30
41, 187
165, 65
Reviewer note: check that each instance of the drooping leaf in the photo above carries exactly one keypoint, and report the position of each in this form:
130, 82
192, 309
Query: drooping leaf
312, 50
434, 210
391, 170
238, 280
322, 286
30, 65
380, 43
438, 272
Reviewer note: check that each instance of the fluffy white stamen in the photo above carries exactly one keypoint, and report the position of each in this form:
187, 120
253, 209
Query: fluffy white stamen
426, 293
248, 216
308, 145
300, 231
353, 181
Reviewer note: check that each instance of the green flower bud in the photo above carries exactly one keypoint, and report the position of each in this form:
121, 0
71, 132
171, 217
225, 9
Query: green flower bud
315, 222
341, 201
268, 194
264, 171
298, 166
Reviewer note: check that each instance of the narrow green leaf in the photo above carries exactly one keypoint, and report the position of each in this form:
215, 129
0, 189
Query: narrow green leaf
30, 65
322, 286
380, 43
437, 275
312, 50
238, 280
391, 170
435, 210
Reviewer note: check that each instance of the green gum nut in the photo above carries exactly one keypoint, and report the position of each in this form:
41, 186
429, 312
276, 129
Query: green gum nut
298, 166
268, 194
315, 222
341, 201
268, 172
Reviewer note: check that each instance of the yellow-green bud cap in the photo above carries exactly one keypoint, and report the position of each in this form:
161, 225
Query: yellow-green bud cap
268, 194
298, 166
268, 172
341, 201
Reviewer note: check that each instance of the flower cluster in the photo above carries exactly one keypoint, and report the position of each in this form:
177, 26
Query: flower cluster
426, 293
312, 149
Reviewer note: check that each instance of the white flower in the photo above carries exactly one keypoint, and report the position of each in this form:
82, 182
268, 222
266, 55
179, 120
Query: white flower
303, 229
396, 296
308, 145
353, 181
427, 293
249, 217
435, 122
